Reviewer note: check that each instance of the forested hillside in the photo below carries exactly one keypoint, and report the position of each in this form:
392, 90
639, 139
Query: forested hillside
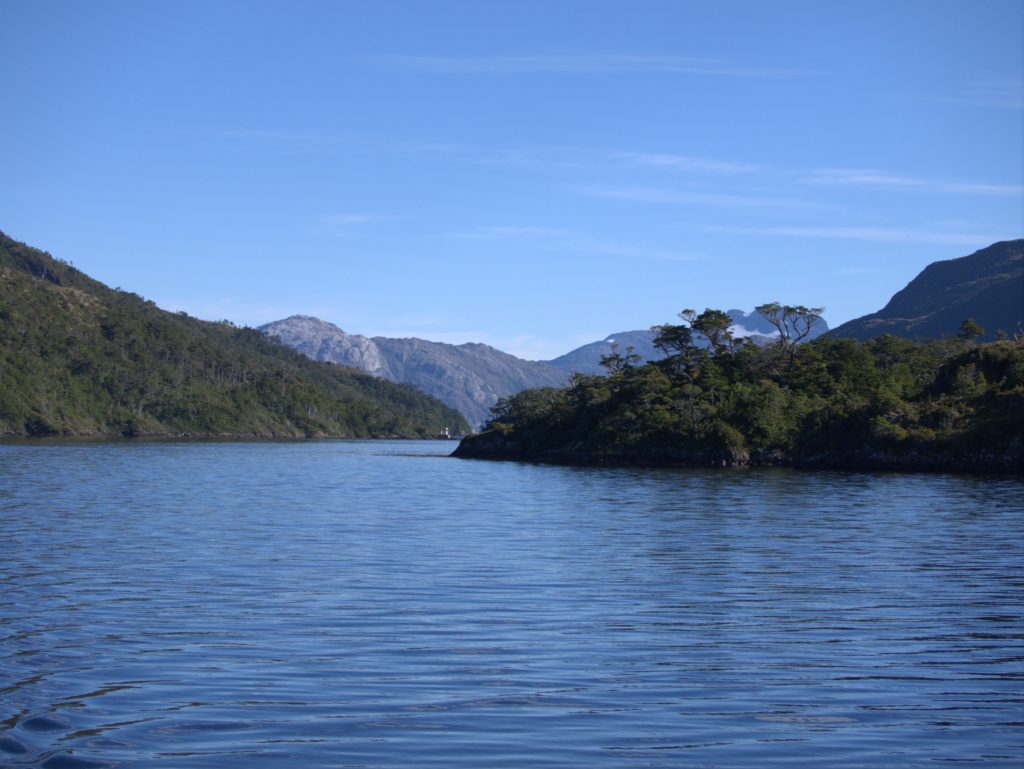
80, 358
885, 403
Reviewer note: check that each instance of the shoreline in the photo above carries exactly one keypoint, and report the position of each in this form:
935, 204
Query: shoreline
12, 439
876, 461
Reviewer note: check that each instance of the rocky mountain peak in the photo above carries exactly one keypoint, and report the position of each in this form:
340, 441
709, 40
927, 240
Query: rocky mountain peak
325, 341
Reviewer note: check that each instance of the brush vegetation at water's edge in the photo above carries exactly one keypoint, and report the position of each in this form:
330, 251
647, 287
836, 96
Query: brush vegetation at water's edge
887, 403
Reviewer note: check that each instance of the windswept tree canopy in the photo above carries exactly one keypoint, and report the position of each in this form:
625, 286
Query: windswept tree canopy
793, 321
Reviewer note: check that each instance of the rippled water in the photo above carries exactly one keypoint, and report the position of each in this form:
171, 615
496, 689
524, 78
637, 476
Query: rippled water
364, 604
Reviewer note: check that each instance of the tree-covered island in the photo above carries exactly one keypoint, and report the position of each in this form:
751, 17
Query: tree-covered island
715, 399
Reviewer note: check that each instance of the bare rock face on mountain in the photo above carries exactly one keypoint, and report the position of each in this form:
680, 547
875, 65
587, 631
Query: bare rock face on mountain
469, 377
324, 341
987, 286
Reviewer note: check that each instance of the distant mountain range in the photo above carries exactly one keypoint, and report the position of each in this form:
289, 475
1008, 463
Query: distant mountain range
471, 377
468, 377
987, 286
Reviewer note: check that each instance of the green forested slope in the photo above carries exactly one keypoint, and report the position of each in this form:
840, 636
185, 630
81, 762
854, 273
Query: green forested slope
79, 358
885, 403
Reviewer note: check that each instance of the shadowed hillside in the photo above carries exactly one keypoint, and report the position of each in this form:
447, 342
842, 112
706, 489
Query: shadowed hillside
987, 286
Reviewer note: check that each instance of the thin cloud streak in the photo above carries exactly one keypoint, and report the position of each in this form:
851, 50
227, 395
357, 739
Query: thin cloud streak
562, 157
576, 64
350, 219
548, 238
856, 271
872, 234
292, 141
686, 197
969, 188
858, 176
589, 157
503, 233
685, 163
997, 93
868, 177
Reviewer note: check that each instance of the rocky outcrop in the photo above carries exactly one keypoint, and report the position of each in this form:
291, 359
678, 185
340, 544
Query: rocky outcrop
987, 286
324, 341
469, 377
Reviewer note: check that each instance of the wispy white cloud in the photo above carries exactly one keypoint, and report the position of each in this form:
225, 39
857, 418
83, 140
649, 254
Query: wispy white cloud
998, 93
576, 157
872, 234
348, 219
501, 233
430, 148
884, 235
868, 177
976, 188
685, 163
538, 157
293, 141
694, 197
858, 176
596, 63
856, 271
547, 238
572, 156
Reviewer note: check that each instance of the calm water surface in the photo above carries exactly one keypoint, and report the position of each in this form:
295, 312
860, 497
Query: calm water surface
367, 604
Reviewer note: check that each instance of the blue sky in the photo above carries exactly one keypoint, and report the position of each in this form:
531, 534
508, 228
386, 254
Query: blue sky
533, 175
